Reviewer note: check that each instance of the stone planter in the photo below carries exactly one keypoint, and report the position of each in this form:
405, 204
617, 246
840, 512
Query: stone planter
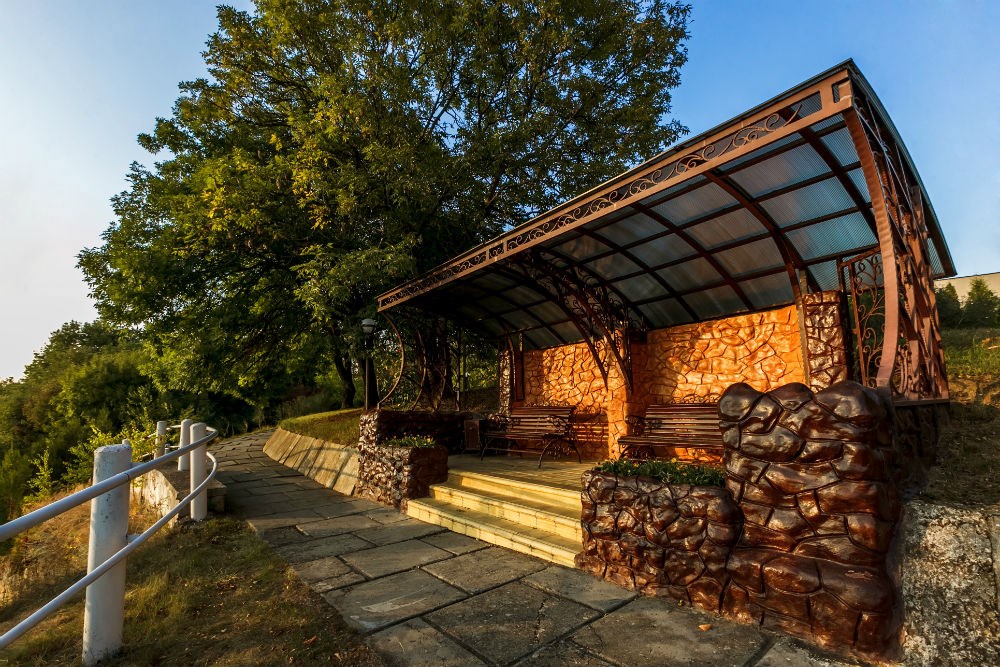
392, 475
662, 539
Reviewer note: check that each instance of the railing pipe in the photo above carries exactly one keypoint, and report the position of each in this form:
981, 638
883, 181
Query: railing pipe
161, 438
184, 462
61, 599
199, 504
43, 514
103, 614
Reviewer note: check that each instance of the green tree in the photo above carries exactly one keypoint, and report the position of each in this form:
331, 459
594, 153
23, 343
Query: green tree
981, 307
948, 306
340, 147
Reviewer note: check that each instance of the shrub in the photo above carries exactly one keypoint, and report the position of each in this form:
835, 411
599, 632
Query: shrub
671, 472
411, 441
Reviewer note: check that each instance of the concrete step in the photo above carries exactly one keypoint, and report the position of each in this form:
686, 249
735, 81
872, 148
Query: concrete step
550, 517
542, 544
567, 500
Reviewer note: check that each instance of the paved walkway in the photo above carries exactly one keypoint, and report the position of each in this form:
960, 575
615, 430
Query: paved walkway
428, 597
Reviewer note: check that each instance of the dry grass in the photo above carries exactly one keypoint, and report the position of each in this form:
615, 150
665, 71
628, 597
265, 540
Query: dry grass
340, 426
199, 594
968, 471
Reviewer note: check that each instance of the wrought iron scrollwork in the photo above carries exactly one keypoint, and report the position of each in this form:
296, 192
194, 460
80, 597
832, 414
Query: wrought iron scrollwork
605, 321
863, 279
911, 360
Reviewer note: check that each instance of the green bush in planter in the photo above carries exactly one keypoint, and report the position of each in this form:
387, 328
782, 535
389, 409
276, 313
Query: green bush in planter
670, 472
410, 441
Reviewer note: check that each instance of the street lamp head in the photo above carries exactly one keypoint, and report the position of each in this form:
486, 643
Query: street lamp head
368, 326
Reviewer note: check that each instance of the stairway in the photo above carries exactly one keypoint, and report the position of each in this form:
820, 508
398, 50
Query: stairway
535, 519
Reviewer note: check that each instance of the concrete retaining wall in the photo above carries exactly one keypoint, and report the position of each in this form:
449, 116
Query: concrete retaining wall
332, 465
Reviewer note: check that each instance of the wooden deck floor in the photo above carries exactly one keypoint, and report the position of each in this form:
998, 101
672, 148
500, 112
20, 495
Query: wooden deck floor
559, 474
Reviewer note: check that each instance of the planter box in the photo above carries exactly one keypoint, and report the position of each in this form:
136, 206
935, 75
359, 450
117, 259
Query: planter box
662, 539
393, 475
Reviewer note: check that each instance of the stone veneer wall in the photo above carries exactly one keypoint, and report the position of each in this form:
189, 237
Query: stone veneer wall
815, 476
826, 357
662, 539
692, 363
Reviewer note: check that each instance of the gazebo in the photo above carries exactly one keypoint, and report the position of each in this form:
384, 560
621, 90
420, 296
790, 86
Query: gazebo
773, 274
794, 243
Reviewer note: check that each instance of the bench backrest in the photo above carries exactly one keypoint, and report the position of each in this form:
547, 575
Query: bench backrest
683, 421
540, 418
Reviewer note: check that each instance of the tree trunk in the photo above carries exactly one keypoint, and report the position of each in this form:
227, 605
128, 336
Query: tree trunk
343, 365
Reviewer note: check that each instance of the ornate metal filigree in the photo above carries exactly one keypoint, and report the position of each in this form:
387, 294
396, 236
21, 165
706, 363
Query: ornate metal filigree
912, 361
863, 278
603, 319
633, 189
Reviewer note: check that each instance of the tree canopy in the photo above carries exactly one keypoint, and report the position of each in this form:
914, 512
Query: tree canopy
340, 147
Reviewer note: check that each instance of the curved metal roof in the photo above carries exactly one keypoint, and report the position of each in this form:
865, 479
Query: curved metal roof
740, 218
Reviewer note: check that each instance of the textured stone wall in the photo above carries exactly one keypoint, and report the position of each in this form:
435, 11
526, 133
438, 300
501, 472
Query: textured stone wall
446, 428
826, 357
661, 539
814, 477
950, 578
693, 363
393, 475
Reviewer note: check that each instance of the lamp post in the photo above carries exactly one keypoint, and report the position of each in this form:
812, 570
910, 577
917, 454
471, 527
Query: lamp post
367, 368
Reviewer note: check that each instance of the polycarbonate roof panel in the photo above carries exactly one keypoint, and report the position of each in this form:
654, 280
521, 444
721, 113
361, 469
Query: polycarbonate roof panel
825, 275
767, 291
695, 204
784, 169
845, 234
773, 147
629, 230
666, 312
689, 274
612, 238
661, 250
581, 247
840, 144
750, 258
715, 302
727, 228
639, 287
612, 266
806, 203
547, 312
858, 178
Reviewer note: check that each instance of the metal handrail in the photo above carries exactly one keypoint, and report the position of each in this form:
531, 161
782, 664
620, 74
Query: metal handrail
136, 469
95, 574
42, 514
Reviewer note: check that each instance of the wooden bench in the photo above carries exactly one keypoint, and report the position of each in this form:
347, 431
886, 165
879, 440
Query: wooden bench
547, 427
686, 431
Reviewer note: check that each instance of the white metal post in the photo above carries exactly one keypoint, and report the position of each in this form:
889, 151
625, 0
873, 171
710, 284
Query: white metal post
161, 438
183, 460
199, 504
104, 610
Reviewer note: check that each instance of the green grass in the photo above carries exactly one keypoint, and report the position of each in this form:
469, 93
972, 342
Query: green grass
339, 426
672, 472
972, 351
200, 594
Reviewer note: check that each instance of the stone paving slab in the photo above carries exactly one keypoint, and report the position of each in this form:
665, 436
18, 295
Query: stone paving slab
416, 644
376, 604
455, 543
648, 632
396, 557
426, 596
580, 587
510, 622
481, 570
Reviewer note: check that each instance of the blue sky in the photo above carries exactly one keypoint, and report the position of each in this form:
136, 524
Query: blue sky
79, 81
